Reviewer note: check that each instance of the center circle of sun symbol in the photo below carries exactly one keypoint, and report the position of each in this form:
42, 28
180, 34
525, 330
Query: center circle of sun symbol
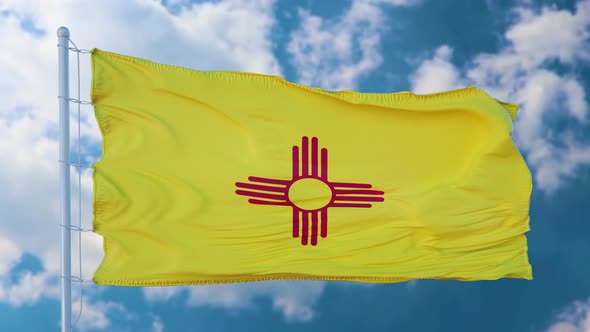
308, 192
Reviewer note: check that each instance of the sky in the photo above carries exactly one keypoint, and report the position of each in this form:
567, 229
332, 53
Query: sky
530, 52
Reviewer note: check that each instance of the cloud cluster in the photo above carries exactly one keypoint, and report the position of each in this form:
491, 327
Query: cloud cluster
575, 318
524, 72
96, 315
335, 53
294, 299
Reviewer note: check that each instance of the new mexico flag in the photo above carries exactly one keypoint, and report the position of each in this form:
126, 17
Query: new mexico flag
214, 177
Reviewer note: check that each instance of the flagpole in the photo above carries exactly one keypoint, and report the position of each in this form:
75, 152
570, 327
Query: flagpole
63, 38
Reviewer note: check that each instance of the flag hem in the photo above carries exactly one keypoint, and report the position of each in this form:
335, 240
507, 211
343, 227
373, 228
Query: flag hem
287, 276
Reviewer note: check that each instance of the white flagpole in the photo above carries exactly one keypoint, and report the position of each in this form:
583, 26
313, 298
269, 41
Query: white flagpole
63, 42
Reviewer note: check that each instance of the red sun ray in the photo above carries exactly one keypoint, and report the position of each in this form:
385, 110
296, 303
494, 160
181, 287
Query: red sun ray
304, 228
324, 158
263, 202
268, 180
358, 198
261, 187
350, 185
295, 156
295, 222
357, 192
314, 228
314, 157
304, 157
261, 195
356, 205
324, 222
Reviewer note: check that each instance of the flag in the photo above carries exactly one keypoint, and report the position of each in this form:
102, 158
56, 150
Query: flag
222, 176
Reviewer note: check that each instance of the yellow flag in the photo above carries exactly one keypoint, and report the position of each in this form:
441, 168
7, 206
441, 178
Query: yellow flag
216, 176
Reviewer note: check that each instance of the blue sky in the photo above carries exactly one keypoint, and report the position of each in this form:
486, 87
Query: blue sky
530, 52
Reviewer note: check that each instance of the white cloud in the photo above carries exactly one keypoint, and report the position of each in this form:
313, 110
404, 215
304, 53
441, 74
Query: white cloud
103, 315
29, 288
96, 315
325, 51
10, 254
519, 73
294, 299
551, 34
157, 325
575, 318
153, 294
436, 74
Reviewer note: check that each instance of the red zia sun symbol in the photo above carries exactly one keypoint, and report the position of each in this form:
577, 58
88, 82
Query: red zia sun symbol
267, 191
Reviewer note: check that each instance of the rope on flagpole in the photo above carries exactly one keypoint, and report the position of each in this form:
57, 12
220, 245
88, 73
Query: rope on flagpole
76, 165
77, 279
76, 101
79, 191
75, 48
76, 228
